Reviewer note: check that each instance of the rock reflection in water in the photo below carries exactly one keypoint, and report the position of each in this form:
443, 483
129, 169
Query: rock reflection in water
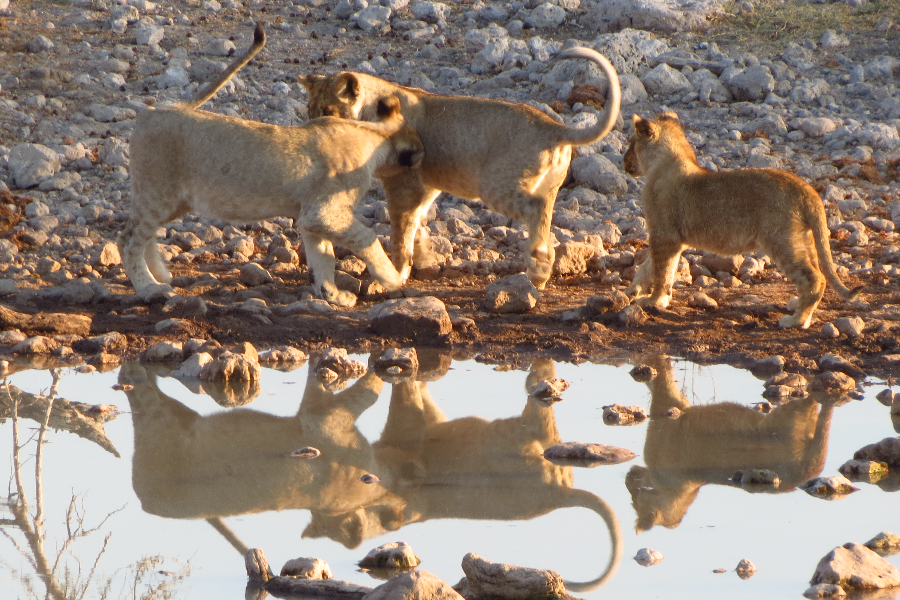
709, 443
191, 466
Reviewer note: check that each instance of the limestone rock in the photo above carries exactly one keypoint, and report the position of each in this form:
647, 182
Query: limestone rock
395, 555
306, 568
511, 294
618, 414
633, 316
829, 488
30, 164
745, 569
824, 590
572, 258
757, 477
885, 543
423, 317
164, 352
549, 388
193, 366
855, 567
869, 471
414, 585
831, 382
613, 302
510, 582
38, 344
339, 362
253, 275
282, 355
229, 367
647, 557
886, 451
588, 454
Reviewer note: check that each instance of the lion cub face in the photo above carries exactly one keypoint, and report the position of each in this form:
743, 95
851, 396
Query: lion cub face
337, 96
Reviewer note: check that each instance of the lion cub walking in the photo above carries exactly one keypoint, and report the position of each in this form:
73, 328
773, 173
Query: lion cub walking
727, 213
510, 156
185, 160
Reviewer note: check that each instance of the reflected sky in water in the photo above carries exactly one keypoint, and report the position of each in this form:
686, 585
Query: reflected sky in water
458, 454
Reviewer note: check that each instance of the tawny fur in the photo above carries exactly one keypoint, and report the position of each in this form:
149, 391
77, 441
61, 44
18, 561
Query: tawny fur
510, 156
728, 212
708, 443
185, 160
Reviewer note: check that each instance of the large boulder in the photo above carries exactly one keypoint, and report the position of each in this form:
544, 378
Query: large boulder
853, 566
511, 294
424, 317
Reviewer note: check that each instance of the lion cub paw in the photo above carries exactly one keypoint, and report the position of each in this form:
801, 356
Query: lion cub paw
792, 321
342, 298
650, 301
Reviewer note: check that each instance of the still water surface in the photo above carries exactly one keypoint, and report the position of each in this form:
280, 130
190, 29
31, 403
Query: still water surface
459, 459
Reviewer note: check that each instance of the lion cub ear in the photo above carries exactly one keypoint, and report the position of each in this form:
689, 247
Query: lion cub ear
347, 87
388, 108
644, 127
310, 81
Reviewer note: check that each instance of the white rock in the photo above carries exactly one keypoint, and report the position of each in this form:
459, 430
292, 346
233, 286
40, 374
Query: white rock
647, 557
149, 35
29, 164
546, 16
193, 365
373, 19
853, 566
665, 81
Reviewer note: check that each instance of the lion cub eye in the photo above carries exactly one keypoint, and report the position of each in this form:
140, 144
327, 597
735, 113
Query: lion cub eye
330, 112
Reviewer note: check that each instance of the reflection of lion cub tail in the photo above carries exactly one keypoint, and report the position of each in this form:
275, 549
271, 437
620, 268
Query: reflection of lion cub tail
814, 217
259, 40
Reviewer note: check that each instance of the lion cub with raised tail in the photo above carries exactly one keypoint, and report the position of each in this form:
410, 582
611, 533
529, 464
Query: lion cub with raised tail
185, 160
511, 156
728, 212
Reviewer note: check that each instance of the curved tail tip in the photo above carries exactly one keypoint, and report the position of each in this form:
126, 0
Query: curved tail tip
259, 34
854, 293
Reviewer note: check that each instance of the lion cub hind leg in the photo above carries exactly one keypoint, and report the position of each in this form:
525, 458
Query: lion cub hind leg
643, 279
408, 200
800, 265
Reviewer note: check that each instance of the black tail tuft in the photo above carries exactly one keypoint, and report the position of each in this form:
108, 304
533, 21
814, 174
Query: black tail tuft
259, 34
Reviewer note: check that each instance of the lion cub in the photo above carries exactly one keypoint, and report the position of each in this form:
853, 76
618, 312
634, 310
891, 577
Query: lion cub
511, 156
727, 213
186, 160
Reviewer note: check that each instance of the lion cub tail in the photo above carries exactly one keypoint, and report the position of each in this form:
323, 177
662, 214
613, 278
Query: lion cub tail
259, 40
815, 219
589, 135
407, 144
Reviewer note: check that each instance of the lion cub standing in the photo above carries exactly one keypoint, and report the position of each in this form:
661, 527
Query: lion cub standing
511, 156
186, 160
726, 213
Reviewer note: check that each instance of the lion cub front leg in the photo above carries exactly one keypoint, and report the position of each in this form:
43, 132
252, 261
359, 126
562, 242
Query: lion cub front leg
140, 255
662, 262
320, 260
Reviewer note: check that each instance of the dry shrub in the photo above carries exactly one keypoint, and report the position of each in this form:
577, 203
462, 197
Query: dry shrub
588, 95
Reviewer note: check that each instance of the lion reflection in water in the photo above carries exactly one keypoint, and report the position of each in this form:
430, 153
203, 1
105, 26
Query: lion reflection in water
709, 443
237, 462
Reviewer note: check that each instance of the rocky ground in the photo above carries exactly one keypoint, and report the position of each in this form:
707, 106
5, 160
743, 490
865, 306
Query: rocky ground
821, 104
